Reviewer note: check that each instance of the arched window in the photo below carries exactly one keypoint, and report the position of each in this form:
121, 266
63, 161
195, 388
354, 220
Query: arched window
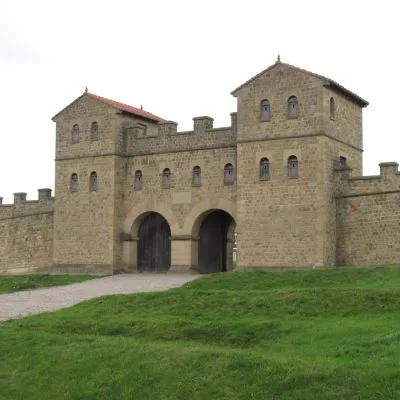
94, 132
73, 185
265, 110
196, 176
293, 106
264, 169
75, 133
166, 178
228, 174
332, 109
138, 180
93, 181
293, 167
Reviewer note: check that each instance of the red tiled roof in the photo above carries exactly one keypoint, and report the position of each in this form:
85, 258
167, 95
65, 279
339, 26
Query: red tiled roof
125, 107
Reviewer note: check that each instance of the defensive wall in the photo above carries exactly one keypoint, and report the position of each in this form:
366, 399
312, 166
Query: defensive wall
285, 174
368, 217
26, 233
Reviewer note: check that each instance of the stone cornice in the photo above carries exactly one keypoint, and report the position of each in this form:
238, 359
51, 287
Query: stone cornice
383, 192
26, 215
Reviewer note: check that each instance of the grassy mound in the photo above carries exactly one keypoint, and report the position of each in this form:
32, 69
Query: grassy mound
284, 334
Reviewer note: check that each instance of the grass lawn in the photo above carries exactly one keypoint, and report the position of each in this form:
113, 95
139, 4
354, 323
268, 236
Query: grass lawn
13, 283
282, 334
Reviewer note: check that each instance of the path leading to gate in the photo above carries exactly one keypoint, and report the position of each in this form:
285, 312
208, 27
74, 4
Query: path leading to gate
20, 304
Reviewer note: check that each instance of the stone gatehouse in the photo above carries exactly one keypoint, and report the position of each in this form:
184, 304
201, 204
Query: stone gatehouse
134, 193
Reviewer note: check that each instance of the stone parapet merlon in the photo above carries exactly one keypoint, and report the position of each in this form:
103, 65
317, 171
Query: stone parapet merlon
202, 124
167, 128
167, 139
21, 206
387, 181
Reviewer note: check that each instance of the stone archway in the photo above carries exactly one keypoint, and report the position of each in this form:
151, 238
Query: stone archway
138, 212
214, 245
154, 244
197, 216
132, 224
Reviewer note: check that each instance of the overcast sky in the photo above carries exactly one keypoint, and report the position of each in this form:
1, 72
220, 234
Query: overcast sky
181, 59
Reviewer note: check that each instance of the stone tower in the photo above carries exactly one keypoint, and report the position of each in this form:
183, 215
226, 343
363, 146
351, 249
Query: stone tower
90, 169
287, 125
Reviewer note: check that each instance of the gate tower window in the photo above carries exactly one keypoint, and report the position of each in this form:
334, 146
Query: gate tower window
94, 132
228, 174
196, 176
265, 110
293, 167
332, 109
93, 181
293, 106
74, 182
264, 169
166, 178
75, 133
138, 180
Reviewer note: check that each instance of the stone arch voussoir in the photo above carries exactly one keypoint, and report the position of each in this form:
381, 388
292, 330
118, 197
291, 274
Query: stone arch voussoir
138, 212
201, 209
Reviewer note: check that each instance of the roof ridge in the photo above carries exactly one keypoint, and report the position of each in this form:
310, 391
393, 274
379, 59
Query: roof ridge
125, 107
328, 82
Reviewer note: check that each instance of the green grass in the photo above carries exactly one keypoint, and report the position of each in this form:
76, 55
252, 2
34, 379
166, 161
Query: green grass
13, 283
282, 334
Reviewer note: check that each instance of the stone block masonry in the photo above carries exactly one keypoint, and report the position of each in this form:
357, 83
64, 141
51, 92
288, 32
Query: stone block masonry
284, 180
26, 234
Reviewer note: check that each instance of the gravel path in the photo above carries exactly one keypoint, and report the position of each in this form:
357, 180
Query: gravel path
20, 304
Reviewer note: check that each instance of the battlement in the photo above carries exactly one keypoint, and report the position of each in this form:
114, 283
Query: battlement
22, 206
201, 125
165, 137
388, 180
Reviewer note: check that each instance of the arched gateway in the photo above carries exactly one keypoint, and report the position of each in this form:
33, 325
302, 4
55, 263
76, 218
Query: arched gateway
215, 246
154, 246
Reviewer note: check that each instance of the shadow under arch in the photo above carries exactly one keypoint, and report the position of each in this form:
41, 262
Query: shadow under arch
154, 244
202, 209
213, 233
132, 245
139, 213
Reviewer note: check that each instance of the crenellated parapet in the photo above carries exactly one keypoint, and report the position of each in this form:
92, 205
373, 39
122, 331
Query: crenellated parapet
202, 124
167, 128
21, 206
166, 138
387, 181
367, 217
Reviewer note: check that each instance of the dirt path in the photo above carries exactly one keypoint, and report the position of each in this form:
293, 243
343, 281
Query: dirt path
20, 304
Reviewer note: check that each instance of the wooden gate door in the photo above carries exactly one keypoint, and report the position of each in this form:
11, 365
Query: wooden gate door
212, 243
154, 250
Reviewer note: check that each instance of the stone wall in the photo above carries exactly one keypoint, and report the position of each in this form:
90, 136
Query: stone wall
26, 234
368, 218
329, 214
84, 219
182, 203
280, 220
167, 139
346, 123
83, 112
333, 150
277, 85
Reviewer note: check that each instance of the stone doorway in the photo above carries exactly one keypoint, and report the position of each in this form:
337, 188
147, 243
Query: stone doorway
154, 247
215, 247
